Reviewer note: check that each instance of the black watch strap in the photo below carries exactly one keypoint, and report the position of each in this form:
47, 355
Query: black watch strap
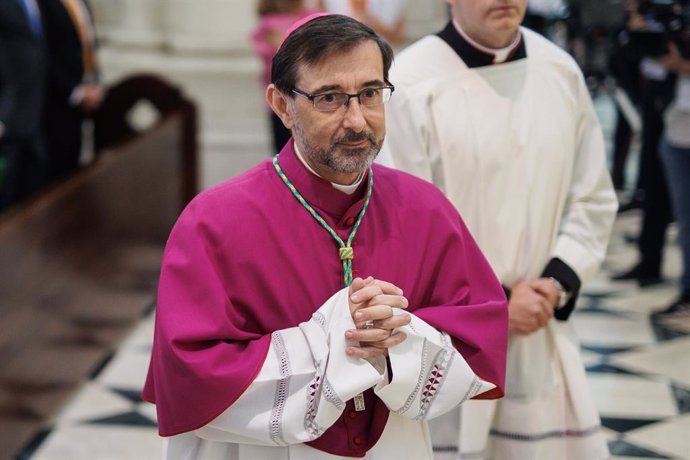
566, 276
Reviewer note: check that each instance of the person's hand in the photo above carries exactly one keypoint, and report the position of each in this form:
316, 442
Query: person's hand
365, 289
547, 289
529, 309
372, 304
671, 61
93, 97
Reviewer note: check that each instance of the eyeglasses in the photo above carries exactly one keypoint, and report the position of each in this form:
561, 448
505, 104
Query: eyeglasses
330, 102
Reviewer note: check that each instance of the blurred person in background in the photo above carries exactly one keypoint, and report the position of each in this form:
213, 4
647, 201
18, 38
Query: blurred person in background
664, 22
268, 342
501, 120
22, 82
386, 17
549, 18
675, 155
625, 69
74, 91
275, 18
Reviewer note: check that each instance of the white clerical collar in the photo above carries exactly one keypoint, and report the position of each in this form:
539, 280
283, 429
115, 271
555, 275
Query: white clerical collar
500, 55
348, 189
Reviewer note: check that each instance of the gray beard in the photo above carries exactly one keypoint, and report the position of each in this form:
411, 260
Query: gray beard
351, 161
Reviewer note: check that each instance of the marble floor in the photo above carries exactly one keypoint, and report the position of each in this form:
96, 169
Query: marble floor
638, 365
638, 368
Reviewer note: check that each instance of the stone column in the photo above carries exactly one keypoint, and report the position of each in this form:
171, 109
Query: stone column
425, 17
213, 25
210, 25
132, 23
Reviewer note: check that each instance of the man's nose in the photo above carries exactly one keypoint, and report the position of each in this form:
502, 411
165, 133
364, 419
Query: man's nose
354, 117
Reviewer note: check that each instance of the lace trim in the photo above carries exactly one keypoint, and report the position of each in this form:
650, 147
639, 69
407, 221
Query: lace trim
282, 386
472, 390
319, 318
331, 396
314, 430
445, 340
550, 434
319, 387
420, 379
436, 377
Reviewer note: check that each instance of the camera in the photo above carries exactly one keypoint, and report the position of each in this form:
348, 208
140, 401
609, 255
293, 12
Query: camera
666, 21
661, 11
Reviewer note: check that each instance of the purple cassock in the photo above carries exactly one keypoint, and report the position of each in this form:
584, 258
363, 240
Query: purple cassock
246, 259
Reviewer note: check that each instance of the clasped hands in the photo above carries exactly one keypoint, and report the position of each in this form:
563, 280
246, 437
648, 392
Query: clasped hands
531, 305
372, 304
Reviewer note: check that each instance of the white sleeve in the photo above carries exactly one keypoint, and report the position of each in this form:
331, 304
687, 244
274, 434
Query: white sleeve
409, 144
591, 205
429, 377
303, 385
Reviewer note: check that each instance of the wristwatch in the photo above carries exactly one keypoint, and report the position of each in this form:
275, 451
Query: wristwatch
563, 295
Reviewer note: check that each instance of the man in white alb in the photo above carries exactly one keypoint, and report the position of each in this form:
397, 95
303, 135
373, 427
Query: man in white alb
500, 119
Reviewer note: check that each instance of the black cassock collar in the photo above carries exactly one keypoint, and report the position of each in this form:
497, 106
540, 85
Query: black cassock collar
472, 56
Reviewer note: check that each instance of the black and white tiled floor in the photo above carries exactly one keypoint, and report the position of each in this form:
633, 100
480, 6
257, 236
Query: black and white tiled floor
638, 368
638, 364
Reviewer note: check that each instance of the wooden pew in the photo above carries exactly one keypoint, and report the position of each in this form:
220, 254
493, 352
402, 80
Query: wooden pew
79, 263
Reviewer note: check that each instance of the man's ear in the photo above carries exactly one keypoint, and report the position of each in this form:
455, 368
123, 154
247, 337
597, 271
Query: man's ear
279, 104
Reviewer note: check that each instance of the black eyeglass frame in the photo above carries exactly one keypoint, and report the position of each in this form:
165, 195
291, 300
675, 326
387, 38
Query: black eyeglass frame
312, 97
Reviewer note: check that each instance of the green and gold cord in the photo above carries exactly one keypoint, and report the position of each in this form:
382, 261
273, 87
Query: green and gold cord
346, 252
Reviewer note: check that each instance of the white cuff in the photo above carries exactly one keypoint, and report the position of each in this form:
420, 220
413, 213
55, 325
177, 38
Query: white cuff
429, 376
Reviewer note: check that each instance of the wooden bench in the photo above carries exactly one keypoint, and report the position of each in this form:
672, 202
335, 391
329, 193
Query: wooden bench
79, 263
